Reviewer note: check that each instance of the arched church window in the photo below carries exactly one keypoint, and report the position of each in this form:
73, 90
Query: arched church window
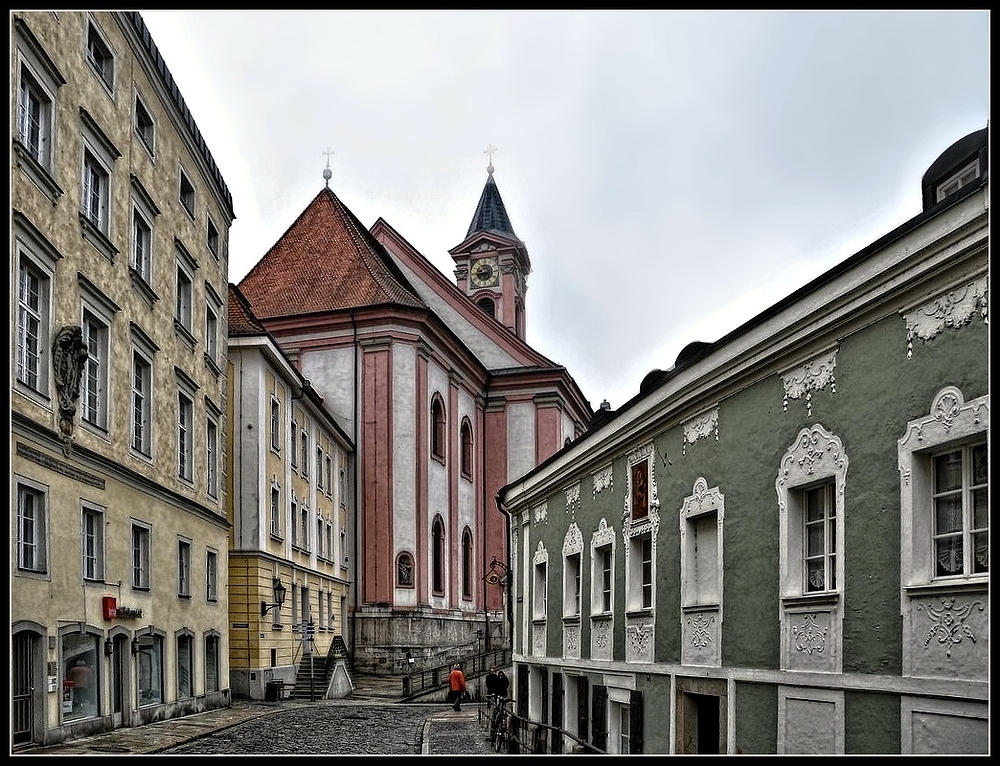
437, 427
488, 306
467, 563
438, 552
466, 448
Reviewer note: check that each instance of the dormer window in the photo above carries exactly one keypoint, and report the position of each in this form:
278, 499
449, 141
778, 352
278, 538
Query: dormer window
962, 178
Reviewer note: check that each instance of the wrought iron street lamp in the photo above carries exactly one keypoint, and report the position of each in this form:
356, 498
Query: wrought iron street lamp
279, 598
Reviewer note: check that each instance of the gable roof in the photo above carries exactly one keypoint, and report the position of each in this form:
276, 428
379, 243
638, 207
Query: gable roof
325, 261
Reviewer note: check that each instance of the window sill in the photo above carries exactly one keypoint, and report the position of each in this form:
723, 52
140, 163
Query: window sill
946, 587
602, 617
811, 600
97, 238
37, 172
571, 619
633, 614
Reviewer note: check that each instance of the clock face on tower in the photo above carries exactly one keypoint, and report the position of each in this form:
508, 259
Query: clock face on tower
484, 272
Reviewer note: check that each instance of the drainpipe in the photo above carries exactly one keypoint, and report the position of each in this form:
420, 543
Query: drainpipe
356, 506
510, 571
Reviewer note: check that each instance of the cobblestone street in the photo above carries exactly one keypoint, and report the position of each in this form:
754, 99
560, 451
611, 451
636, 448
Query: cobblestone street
349, 729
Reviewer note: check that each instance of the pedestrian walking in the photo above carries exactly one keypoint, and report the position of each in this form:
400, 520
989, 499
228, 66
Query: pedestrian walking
456, 686
491, 682
503, 684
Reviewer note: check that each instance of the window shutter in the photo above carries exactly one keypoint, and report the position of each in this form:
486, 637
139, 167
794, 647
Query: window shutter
635, 722
582, 700
599, 711
557, 711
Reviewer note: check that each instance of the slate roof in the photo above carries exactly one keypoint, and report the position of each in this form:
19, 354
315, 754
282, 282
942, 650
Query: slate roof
491, 215
326, 261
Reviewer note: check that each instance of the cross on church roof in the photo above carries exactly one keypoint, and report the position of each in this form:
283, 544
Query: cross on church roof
489, 153
327, 173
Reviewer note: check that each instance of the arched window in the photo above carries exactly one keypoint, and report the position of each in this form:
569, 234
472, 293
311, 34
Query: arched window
467, 448
488, 306
437, 427
467, 563
437, 543
404, 570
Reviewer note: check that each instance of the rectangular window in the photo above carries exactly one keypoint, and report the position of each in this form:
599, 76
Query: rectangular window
211, 333
183, 568
140, 557
185, 295
185, 445
304, 516
293, 446
94, 381
640, 490
212, 457
305, 453
149, 669
96, 191
275, 425
93, 544
212, 576
540, 600
319, 468
144, 127
294, 522
99, 56
142, 246
640, 572
604, 556
961, 511
31, 519
275, 512
212, 237
32, 324
571, 585
142, 380
35, 118
820, 539
187, 193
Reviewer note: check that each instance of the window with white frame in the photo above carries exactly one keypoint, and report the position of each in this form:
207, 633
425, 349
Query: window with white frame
34, 117
38, 83
275, 511
212, 455
183, 308
96, 190
185, 436
213, 311
571, 584
319, 467
142, 393
959, 180
602, 572
212, 576
184, 568
141, 564
94, 380
540, 590
819, 535
33, 328
32, 516
93, 543
304, 522
186, 193
143, 123
293, 523
640, 572
142, 246
944, 470
293, 446
99, 56
810, 488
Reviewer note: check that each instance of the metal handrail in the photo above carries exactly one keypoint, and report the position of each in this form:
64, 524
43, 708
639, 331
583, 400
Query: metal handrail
423, 681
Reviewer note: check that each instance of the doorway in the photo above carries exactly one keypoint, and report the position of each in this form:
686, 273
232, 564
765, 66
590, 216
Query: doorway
22, 711
701, 716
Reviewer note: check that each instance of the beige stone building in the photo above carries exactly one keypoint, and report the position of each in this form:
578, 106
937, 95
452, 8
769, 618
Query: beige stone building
119, 228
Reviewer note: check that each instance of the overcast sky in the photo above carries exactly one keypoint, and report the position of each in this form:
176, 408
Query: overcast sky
671, 173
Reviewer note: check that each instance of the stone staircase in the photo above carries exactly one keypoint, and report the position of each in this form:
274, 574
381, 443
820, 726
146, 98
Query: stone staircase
371, 686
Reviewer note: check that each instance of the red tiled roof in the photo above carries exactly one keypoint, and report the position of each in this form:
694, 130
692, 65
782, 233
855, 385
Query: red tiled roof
326, 261
241, 318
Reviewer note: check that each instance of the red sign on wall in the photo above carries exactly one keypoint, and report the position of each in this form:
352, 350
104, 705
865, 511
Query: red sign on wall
109, 607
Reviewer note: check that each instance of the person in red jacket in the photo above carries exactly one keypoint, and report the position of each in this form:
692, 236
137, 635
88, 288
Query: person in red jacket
456, 686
